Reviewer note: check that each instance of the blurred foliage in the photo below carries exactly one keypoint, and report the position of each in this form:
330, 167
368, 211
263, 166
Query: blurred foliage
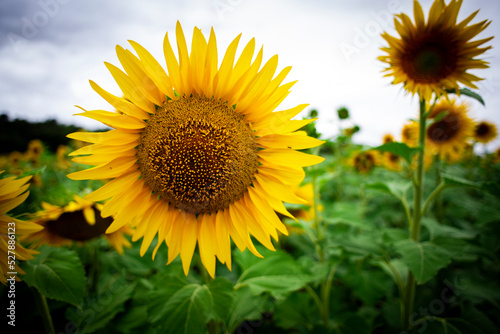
340, 278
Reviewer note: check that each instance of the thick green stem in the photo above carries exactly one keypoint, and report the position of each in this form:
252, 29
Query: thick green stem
43, 308
409, 296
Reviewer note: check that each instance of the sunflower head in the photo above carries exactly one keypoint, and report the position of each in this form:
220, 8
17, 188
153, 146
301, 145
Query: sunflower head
409, 134
79, 221
197, 154
388, 138
34, 151
484, 132
12, 193
364, 162
434, 56
447, 135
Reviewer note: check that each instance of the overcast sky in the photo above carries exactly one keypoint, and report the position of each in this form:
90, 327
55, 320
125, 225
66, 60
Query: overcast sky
49, 49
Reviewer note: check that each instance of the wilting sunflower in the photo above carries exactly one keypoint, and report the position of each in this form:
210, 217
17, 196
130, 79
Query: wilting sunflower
447, 135
79, 221
197, 156
484, 132
409, 134
435, 55
12, 193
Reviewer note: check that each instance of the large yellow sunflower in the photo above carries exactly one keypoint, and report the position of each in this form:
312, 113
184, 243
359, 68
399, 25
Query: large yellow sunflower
484, 132
12, 193
197, 154
78, 221
435, 55
447, 135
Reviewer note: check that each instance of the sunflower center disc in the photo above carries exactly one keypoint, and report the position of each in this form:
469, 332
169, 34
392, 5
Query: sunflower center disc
430, 58
198, 154
73, 226
482, 129
445, 129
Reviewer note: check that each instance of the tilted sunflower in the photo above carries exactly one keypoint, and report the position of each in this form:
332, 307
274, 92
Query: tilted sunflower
197, 155
484, 132
434, 56
447, 135
12, 193
78, 221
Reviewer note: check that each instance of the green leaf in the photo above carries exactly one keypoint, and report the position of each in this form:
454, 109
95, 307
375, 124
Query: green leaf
179, 307
99, 310
223, 298
298, 311
57, 273
278, 274
396, 189
247, 306
424, 259
399, 149
438, 230
467, 92
454, 181
350, 213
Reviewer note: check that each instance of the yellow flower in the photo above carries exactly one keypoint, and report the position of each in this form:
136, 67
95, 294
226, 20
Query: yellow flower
484, 132
78, 221
388, 138
430, 57
364, 162
34, 151
496, 154
447, 135
12, 193
197, 156
409, 134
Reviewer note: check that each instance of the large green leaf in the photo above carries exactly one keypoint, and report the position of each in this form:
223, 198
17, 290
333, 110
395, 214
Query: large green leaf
399, 149
182, 307
278, 274
99, 310
424, 259
223, 298
57, 273
246, 307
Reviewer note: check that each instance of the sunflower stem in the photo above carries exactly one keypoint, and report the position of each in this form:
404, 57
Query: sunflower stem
317, 218
409, 295
43, 308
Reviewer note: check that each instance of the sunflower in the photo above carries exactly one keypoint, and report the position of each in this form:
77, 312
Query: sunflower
388, 138
12, 193
496, 156
78, 221
409, 134
484, 132
34, 151
434, 56
197, 156
364, 162
447, 135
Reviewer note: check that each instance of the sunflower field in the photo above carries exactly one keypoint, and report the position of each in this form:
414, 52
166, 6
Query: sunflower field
203, 207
